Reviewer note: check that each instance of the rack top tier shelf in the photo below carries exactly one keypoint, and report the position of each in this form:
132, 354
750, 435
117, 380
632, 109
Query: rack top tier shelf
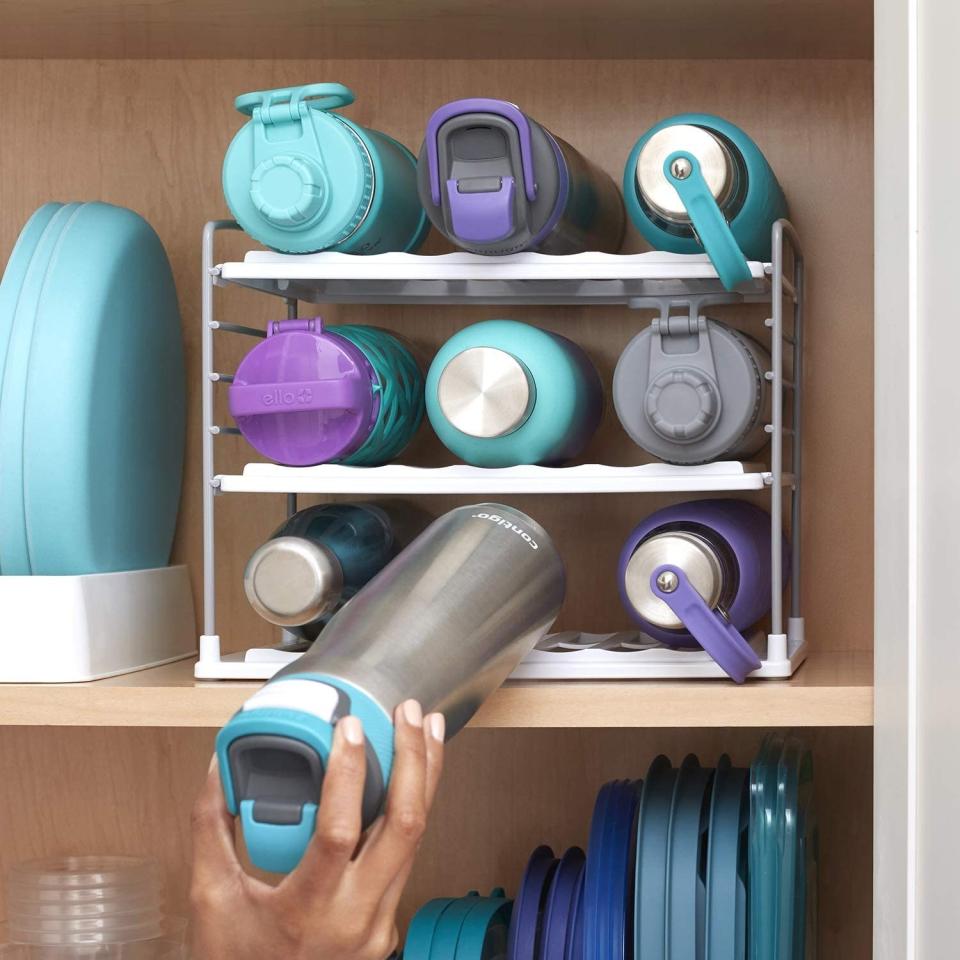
468, 278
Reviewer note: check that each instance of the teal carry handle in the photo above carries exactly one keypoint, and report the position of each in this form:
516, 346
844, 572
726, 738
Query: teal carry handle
287, 100
711, 226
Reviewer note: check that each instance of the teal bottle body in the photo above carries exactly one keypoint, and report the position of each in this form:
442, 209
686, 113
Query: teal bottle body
565, 396
300, 178
697, 183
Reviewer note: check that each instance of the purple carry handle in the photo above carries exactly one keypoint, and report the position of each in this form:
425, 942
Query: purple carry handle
258, 399
720, 638
482, 217
501, 108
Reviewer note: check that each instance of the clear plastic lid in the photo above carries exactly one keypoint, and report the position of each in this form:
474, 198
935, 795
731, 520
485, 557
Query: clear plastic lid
87, 901
163, 949
70, 873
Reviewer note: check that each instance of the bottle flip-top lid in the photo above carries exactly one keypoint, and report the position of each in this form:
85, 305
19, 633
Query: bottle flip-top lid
298, 177
489, 177
305, 395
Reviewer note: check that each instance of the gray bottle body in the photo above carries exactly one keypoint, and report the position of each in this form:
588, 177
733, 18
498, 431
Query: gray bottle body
447, 621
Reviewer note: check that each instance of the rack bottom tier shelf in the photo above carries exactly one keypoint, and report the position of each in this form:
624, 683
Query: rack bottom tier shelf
561, 656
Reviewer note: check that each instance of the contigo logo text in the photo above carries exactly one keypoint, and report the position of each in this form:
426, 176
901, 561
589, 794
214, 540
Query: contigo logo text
500, 521
287, 398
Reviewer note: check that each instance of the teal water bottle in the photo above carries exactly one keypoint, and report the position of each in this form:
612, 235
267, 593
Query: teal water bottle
503, 393
695, 183
319, 558
300, 178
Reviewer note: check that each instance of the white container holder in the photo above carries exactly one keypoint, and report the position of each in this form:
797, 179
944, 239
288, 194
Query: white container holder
76, 628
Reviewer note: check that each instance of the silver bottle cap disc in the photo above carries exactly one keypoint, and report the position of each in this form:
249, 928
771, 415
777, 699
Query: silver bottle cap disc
291, 581
679, 548
485, 392
716, 165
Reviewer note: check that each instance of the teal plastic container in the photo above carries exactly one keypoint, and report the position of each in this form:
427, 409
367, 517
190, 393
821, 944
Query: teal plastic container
300, 178
502, 393
697, 183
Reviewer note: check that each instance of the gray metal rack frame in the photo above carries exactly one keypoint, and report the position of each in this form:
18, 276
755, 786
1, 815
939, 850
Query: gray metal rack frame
782, 287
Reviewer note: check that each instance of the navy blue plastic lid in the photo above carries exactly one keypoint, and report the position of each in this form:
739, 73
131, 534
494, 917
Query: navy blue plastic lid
561, 905
530, 903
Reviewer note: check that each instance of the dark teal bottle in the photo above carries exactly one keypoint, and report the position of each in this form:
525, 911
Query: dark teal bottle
319, 558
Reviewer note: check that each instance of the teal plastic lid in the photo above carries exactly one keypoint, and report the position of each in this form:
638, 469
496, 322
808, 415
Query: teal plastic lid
485, 929
297, 177
446, 934
422, 928
782, 851
104, 416
22, 284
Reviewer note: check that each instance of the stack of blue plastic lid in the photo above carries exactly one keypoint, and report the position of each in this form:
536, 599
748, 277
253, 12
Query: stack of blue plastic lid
92, 395
691, 863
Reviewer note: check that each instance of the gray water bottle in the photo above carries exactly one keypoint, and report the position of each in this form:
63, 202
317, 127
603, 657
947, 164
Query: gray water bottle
444, 623
694, 391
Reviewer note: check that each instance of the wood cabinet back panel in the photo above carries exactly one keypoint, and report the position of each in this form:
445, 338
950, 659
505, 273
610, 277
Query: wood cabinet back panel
151, 135
78, 790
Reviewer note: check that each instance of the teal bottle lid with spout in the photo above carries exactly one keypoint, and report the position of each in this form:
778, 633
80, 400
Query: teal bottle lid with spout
301, 178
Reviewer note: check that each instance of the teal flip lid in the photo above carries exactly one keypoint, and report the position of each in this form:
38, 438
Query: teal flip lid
104, 417
27, 273
298, 177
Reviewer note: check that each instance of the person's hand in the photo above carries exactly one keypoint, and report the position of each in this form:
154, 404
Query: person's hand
340, 903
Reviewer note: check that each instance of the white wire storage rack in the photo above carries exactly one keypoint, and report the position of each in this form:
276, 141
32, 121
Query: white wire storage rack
667, 283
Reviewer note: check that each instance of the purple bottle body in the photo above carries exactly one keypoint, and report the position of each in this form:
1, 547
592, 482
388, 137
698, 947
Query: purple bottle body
740, 528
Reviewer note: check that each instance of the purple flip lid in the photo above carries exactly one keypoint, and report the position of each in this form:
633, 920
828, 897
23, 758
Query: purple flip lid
304, 395
501, 108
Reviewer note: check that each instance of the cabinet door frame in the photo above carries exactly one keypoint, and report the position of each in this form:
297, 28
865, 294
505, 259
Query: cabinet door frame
917, 450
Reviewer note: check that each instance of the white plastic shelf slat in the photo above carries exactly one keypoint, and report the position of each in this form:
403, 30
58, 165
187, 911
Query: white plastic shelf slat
467, 277
587, 478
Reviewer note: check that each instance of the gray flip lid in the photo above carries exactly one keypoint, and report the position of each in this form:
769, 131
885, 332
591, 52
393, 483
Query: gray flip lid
693, 392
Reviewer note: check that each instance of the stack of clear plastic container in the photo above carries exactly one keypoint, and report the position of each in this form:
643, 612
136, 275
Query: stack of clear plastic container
94, 908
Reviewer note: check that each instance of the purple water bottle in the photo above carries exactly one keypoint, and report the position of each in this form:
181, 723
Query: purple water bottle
311, 394
698, 574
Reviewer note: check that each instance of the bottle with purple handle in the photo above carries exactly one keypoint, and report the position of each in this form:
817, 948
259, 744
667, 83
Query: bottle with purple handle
698, 574
494, 181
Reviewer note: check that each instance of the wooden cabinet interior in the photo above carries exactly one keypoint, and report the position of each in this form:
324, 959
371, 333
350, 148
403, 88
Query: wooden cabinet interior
504, 792
151, 135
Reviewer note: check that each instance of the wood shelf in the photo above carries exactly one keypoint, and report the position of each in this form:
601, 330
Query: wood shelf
829, 690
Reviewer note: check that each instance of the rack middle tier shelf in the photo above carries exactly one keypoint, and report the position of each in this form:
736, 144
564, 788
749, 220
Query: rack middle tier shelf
667, 283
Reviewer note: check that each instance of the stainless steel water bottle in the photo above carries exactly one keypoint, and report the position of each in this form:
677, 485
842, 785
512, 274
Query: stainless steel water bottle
321, 556
444, 623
